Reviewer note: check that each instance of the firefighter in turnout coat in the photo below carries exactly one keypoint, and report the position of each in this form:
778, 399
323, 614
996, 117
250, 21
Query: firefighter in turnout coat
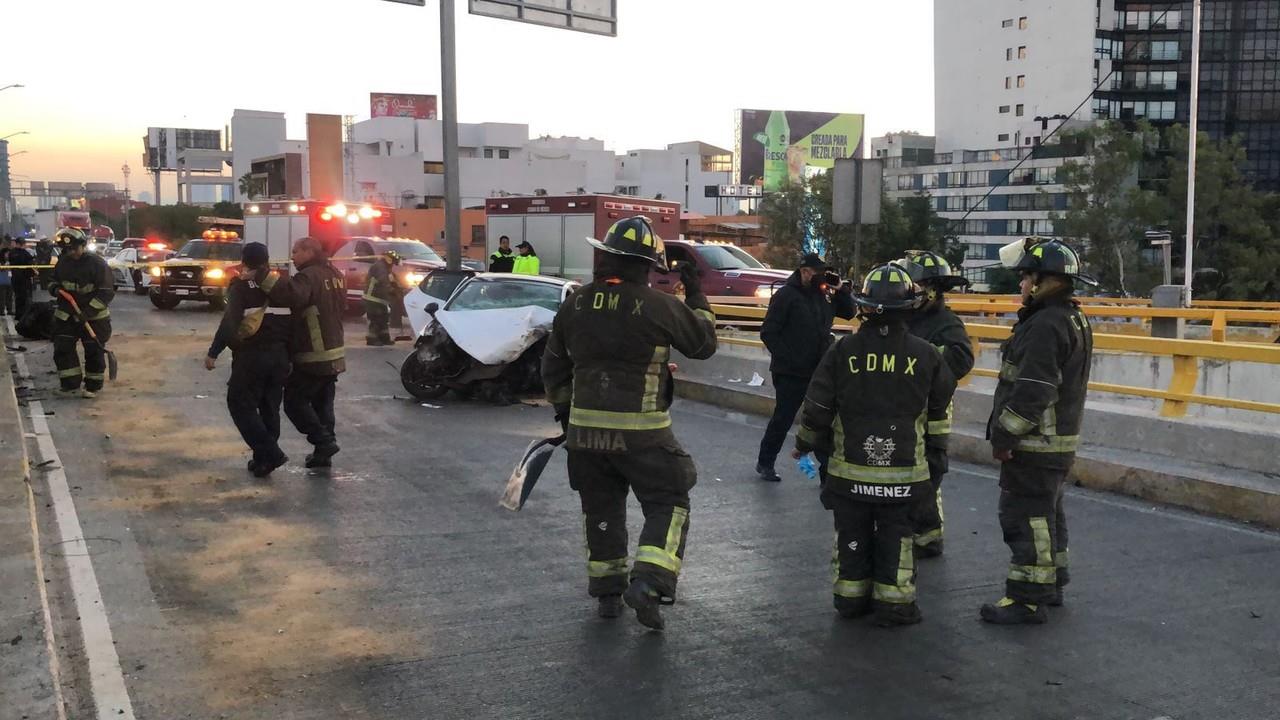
935, 323
86, 277
1035, 426
871, 403
381, 295
606, 373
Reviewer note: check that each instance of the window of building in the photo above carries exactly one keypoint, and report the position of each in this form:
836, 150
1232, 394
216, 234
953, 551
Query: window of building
1164, 50
975, 178
930, 180
1020, 110
1022, 81
1022, 23
1046, 176
1170, 20
975, 251
1007, 23
504, 154
1004, 109
488, 153
906, 182
1002, 137
1008, 54
433, 168
1022, 52
1008, 82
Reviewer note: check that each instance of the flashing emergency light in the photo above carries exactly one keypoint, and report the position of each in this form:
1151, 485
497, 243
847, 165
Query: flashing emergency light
326, 216
214, 274
255, 209
155, 271
353, 218
366, 212
157, 246
337, 209
293, 207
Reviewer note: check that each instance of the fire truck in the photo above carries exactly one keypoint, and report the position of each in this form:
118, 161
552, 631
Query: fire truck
278, 223
557, 226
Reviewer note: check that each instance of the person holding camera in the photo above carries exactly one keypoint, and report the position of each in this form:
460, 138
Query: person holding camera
797, 332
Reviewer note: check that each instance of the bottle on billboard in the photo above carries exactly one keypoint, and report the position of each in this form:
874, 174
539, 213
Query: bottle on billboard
776, 138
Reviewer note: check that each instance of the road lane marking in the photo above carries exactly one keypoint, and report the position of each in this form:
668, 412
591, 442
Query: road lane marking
55, 667
110, 696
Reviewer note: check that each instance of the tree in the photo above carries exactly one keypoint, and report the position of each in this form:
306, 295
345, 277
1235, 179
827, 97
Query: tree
226, 209
786, 214
174, 224
250, 186
1108, 212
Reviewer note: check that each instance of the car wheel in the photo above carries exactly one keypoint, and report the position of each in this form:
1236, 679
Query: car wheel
164, 302
140, 290
414, 377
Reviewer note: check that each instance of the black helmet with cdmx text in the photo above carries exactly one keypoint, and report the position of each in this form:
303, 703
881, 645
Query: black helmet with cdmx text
634, 237
929, 269
1044, 255
887, 288
69, 237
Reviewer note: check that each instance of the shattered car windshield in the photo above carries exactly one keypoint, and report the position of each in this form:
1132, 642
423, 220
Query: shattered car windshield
493, 295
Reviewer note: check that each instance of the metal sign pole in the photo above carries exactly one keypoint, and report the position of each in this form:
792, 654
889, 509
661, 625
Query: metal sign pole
449, 92
1191, 152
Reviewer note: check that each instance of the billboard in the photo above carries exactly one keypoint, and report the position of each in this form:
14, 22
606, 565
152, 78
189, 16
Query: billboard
161, 146
599, 17
419, 107
774, 145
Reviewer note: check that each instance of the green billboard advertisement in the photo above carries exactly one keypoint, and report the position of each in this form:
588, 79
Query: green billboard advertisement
775, 145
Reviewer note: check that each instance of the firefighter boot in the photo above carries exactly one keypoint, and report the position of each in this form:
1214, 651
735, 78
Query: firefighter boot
850, 608
323, 456
610, 607
932, 550
266, 467
642, 598
1057, 599
894, 614
1011, 612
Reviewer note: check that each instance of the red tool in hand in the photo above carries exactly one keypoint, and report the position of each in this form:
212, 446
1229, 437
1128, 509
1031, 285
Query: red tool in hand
113, 368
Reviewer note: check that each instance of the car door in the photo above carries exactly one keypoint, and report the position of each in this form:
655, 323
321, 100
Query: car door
353, 272
122, 272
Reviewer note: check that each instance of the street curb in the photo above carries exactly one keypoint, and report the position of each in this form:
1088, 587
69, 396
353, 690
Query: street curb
26, 669
1125, 474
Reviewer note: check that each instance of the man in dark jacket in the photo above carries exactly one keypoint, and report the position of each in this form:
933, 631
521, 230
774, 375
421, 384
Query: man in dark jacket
872, 401
797, 332
381, 296
504, 260
257, 331
22, 279
935, 323
317, 296
1035, 426
606, 373
85, 277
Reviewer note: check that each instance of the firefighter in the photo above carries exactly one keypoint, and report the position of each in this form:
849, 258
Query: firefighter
257, 331
871, 402
607, 375
935, 323
317, 296
1034, 427
86, 278
383, 289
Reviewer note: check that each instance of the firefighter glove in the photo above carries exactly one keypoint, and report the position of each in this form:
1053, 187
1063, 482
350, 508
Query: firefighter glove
689, 276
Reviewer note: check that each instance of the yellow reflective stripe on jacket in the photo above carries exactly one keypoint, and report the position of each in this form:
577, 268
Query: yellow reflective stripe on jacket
269, 281
1049, 421
807, 434
102, 314
653, 377
877, 475
1008, 372
322, 356
610, 420
61, 315
311, 316
705, 315
940, 427
1015, 423
368, 293
1049, 443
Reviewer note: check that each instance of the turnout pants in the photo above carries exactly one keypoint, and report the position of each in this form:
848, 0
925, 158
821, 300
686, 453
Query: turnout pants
789, 393
254, 393
308, 402
927, 516
1035, 529
379, 316
66, 333
661, 478
873, 556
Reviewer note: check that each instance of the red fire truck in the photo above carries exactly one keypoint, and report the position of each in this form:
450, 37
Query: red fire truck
278, 223
557, 226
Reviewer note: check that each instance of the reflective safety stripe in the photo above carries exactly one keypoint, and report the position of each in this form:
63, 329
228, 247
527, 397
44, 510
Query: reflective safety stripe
1049, 421
606, 568
1043, 542
905, 591
877, 475
269, 281
1033, 574
1015, 423
1052, 444
705, 315
61, 315
311, 316
852, 588
94, 376
807, 435
1008, 372
652, 378
378, 300
657, 556
268, 311
667, 557
70, 372
560, 395
929, 538
610, 420
940, 427
97, 304
1061, 560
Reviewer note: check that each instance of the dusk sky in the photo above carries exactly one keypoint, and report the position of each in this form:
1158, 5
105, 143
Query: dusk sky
97, 74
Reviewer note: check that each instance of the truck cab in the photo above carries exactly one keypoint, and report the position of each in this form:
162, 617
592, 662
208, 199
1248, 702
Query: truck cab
725, 269
200, 272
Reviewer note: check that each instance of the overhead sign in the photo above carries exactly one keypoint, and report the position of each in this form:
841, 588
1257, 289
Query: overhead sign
420, 107
735, 191
774, 146
599, 17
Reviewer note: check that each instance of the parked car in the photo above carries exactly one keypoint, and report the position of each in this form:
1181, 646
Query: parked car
726, 270
354, 258
200, 271
125, 266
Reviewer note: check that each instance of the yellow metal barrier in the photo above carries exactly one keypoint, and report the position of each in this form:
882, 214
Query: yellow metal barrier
1186, 355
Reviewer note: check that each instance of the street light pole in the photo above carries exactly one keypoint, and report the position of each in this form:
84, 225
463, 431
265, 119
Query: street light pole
15, 134
1191, 151
15, 85
125, 169
449, 89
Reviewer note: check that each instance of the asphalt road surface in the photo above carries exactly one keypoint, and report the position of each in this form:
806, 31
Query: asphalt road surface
393, 586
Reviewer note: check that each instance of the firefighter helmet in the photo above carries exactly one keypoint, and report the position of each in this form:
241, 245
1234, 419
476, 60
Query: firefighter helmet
929, 268
69, 237
634, 236
888, 287
393, 256
1043, 255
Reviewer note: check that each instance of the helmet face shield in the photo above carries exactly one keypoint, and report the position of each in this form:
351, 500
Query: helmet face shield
1011, 254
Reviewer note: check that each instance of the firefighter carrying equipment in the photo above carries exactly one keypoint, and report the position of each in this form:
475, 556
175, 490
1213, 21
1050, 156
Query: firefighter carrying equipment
88, 280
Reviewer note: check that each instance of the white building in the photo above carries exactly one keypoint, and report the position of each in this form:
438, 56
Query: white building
254, 134
681, 172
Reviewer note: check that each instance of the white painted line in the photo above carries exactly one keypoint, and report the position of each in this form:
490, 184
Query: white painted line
50, 642
110, 695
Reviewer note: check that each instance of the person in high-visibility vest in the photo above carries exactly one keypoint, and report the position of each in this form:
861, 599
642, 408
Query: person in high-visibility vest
527, 263
379, 293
